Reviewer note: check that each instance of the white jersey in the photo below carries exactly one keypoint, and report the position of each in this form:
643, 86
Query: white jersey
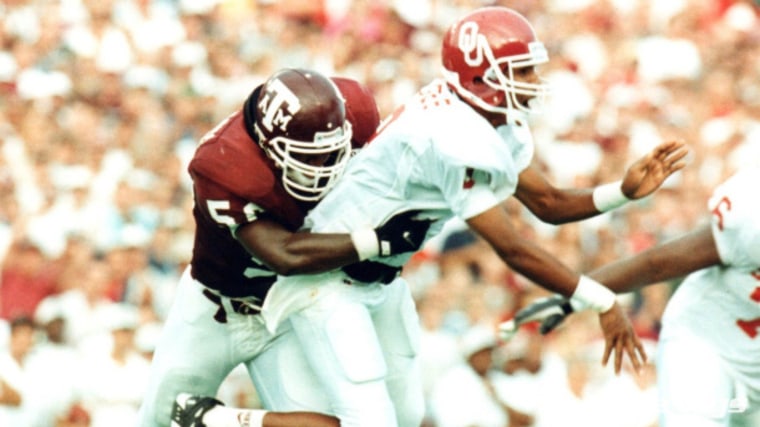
434, 154
721, 304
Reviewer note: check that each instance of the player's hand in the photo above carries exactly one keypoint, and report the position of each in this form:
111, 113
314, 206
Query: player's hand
649, 172
403, 232
620, 338
550, 311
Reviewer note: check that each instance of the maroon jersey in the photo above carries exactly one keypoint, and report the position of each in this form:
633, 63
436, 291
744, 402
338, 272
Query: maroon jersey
235, 183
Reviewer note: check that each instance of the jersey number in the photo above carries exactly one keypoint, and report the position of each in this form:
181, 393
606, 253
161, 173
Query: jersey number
251, 211
215, 208
723, 203
750, 327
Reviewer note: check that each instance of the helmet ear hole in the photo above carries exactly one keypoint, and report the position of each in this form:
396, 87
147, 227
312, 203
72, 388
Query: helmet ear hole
481, 89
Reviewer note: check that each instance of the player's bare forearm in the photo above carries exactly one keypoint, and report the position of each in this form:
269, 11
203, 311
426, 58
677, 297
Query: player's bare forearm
299, 419
553, 205
540, 267
558, 206
521, 254
673, 259
288, 253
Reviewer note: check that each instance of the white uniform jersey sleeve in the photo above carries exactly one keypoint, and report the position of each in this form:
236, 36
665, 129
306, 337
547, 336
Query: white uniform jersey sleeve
735, 206
435, 154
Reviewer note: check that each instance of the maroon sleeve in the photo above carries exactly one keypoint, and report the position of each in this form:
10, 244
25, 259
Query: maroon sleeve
234, 184
361, 109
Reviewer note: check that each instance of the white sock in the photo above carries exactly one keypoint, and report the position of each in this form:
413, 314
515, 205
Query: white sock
222, 416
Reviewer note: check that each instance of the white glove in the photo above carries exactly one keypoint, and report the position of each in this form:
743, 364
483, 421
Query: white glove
550, 311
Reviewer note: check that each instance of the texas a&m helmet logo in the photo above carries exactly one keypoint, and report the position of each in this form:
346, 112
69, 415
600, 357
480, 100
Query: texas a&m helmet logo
278, 104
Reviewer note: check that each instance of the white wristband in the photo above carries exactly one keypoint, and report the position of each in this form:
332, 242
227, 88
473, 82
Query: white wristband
591, 294
365, 243
220, 415
256, 417
609, 196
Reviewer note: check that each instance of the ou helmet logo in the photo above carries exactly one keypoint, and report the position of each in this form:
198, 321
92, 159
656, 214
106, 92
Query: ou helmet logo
470, 43
279, 105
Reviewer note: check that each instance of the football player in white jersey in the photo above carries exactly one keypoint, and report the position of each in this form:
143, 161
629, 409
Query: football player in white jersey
708, 361
460, 147
255, 175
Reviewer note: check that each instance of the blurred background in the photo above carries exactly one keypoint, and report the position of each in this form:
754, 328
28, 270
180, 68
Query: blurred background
103, 101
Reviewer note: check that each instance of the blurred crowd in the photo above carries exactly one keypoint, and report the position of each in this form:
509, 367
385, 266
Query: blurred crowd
103, 101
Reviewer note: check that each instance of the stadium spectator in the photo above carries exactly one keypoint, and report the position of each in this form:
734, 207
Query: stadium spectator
103, 119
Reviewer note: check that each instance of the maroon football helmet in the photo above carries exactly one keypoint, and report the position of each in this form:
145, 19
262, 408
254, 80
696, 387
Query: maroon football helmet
481, 52
301, 124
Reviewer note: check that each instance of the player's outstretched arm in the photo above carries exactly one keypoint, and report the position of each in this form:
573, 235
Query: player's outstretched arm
676, 258
288, 253
558, 206
543, 269
669, 260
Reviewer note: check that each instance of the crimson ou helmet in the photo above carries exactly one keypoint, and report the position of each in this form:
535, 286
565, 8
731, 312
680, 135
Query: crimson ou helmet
481, 52
301, 124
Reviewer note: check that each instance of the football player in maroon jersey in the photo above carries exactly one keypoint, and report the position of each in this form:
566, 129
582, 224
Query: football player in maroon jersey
255, 176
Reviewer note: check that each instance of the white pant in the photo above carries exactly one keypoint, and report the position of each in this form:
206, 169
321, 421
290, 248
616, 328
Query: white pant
197, 352
362, 341
697, 388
